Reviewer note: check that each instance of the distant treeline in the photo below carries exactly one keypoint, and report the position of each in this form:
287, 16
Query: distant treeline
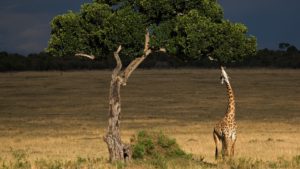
287, 56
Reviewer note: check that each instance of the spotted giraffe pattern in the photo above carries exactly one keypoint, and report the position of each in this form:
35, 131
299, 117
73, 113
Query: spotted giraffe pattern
225, 131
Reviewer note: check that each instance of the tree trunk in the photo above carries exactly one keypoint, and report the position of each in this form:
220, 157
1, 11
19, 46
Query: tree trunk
119, 151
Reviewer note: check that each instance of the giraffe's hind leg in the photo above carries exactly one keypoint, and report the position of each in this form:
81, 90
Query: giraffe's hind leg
217, 143
225, 147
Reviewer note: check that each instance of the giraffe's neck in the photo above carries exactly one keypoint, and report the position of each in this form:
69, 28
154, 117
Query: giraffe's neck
231, 103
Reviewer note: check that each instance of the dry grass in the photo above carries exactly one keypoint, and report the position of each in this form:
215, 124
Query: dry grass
54, 115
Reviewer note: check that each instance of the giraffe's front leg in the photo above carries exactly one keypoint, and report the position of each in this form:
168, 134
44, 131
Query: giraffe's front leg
232, 148
217, 143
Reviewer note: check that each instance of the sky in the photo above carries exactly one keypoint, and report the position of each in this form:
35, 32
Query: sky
25, 24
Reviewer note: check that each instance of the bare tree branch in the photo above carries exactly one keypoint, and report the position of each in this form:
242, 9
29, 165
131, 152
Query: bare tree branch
163, 50
118, 60
147, 39
85, 55
212, 59
137, 61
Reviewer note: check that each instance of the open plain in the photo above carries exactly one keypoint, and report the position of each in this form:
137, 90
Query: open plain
63, 115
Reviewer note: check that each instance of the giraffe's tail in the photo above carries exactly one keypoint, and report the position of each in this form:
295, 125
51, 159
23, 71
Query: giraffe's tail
216, 154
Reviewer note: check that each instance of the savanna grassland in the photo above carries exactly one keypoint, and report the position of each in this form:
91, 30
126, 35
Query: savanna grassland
62, 116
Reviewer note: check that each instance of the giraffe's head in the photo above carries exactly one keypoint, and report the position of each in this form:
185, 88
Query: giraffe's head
224, 76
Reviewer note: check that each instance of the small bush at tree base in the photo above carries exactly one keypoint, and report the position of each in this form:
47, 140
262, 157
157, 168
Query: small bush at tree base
148, 145
165, 142
157, 149
138, 151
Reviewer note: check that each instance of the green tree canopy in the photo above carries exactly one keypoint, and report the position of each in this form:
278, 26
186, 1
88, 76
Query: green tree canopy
187, 29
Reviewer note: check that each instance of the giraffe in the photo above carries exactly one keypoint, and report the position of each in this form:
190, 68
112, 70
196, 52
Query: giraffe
225, 131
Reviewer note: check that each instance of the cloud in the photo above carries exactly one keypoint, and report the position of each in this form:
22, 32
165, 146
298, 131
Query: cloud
41, 6
18, 29
35, 38
270, 21
25, 25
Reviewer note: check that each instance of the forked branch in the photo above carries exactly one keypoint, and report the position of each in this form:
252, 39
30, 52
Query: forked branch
133, 64
137, 61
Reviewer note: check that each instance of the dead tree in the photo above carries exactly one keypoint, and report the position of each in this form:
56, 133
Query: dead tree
119, 151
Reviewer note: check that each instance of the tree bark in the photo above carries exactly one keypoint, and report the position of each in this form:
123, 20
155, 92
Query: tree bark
119, 151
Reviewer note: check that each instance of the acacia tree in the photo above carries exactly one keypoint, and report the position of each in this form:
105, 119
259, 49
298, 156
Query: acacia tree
187, 29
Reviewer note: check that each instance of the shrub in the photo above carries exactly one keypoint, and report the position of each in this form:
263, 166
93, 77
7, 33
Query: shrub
156, 145
138, 151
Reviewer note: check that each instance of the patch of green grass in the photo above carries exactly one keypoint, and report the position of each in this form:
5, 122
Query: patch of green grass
20, 160
144, 146
296, 161
157, 149
149, 145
